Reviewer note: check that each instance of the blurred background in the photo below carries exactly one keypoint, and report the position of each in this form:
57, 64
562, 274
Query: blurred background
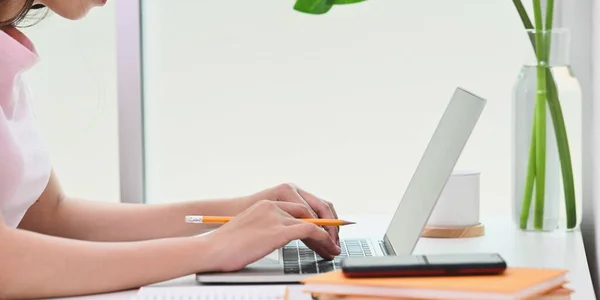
239, 97
236, 99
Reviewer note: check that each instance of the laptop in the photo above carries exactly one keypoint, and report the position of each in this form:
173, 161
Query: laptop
295, 261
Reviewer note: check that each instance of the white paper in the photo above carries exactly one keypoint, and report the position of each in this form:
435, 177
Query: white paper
225, 292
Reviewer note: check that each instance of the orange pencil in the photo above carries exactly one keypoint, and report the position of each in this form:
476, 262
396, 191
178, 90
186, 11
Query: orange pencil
216, 219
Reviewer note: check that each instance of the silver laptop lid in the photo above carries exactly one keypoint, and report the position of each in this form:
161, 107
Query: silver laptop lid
433, 171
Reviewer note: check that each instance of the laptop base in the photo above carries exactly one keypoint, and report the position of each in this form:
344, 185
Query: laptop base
292, 264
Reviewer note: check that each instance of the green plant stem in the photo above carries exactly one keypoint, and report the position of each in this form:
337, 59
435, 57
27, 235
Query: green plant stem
523, 15
547, 32
563, 151
529, 182
530, 179
549, 15
559, 130
540, 122
540, 150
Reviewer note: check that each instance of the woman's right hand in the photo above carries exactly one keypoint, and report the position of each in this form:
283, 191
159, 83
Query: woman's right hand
265, 227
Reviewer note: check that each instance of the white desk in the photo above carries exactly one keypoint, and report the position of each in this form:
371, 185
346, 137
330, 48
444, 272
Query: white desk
550, 250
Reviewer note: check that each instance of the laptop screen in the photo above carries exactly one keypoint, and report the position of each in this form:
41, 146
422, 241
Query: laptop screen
433, 171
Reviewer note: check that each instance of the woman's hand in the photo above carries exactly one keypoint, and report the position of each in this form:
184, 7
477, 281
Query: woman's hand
318, 208
265, 227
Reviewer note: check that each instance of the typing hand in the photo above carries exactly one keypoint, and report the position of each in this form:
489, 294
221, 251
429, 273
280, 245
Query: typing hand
265, 227
317, 207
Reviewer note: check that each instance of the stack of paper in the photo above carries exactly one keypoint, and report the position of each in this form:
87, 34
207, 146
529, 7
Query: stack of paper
514, 283
213, 293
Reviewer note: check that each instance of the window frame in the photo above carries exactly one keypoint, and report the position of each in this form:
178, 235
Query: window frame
130, 102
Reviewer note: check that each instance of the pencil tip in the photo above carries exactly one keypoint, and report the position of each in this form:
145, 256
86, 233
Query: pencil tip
348, 223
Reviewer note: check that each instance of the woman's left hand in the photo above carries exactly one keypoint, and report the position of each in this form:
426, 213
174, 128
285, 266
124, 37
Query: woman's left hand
318, 208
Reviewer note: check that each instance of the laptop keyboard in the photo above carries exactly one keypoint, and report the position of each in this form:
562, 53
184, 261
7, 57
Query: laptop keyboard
299, 259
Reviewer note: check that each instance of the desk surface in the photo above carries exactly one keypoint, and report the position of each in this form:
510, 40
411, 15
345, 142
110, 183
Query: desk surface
526, 249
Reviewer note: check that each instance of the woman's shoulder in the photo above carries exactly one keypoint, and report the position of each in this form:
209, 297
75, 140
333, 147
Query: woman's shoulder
17, 55
17, 52
24, 163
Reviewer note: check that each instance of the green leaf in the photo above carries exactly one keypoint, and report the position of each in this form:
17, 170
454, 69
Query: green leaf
347, 1
315, 7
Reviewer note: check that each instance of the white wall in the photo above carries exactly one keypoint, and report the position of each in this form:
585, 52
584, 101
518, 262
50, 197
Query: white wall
218, 81
342, 104
591, 228
580, 17
76, 104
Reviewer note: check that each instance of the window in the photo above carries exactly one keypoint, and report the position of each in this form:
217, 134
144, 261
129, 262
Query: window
240, 97
76, 102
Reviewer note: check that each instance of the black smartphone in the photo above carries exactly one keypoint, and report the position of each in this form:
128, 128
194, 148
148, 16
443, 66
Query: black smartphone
424, 265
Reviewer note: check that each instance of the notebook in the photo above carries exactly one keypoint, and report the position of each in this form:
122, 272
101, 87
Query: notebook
558, 294
514, 283
213, 293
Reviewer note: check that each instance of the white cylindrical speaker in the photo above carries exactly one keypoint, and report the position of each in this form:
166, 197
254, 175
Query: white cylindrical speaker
456, 213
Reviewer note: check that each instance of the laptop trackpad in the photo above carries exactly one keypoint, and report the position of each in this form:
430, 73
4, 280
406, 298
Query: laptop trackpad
268, 265
270, 259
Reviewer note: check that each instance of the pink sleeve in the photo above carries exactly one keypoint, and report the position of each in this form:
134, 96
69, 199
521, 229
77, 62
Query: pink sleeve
24, 162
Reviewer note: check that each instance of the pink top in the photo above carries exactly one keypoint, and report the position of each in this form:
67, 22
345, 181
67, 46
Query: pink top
24, 163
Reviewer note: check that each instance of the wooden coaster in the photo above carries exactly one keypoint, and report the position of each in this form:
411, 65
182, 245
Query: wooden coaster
453, 232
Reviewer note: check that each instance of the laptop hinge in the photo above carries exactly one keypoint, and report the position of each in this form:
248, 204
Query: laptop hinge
386, 246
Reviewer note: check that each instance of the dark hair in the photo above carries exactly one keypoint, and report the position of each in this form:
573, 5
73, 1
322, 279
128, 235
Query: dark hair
23, 13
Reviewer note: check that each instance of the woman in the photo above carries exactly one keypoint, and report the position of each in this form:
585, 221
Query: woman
53, 245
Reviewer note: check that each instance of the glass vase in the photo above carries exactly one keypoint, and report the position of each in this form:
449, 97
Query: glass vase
546, 137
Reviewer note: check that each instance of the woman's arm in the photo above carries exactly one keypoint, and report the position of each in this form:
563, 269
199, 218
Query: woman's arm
58, 215
37, 266
41, 266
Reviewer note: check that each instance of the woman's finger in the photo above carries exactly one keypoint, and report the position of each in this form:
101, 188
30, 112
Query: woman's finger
316, 204
331, 208
315, 237
295, 210
289, 193
323, 210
